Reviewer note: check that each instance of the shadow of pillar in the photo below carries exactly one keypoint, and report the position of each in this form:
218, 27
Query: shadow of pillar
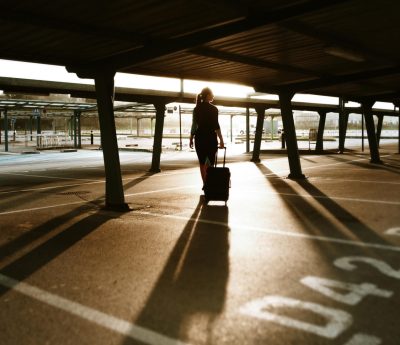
191, 290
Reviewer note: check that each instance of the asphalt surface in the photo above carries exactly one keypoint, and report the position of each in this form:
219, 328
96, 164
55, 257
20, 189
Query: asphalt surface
312, 261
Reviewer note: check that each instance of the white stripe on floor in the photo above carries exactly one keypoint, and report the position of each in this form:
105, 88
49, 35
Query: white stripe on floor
244, 228
102, 319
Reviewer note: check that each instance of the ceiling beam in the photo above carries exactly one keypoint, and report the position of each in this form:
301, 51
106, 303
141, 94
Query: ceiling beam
165, 47
251, 61
59, 24
330, 81
383, 97
332, 39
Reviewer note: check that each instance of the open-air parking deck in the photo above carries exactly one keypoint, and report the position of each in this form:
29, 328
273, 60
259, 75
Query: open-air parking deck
310, 261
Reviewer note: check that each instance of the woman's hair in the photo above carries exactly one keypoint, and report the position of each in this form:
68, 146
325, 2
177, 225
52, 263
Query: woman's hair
201, 97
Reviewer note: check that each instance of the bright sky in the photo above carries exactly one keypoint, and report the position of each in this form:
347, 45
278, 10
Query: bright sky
24, 70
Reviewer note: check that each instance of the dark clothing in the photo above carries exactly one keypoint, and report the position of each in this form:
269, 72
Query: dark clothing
205, 123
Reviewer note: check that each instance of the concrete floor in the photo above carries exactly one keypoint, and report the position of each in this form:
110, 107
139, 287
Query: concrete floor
286, 262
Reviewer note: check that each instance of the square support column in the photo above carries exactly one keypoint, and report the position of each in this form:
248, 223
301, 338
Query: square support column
104, 84
231, 128
379, 128
39, 139
319, 146
78, 128
370, 125
247, 129
285, 100
75, 128
5, 131
343, 120
31, 127
397, 104
260, 109
158, 134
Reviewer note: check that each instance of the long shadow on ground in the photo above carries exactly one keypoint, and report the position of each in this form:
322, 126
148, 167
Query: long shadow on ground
192, 286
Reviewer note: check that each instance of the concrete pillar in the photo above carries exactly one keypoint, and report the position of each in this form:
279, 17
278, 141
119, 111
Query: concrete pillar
379, 128
272, 127
397, 104
398, 151
362, 133
247, 129
285, 99
319, 146
31, 127
343, 120
231, 128
137, 127
75, 128
104, 84
78, 128
157, 146
39, 139
260, 109
370, 125
180, 126
5, 131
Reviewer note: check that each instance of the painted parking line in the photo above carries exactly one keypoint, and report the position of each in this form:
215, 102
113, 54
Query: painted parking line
328, 179
49, 188
49, 177
44, 207
90, 202
84, 183
312, 196
97, 317
163, 190
246, 228
323, 165
236, 227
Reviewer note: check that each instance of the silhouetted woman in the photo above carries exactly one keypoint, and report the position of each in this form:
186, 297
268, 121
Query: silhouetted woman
205, 131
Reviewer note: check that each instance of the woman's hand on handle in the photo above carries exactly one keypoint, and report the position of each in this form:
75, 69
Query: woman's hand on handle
221, 139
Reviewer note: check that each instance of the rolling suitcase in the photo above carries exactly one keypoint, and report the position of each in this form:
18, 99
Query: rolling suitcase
218, 182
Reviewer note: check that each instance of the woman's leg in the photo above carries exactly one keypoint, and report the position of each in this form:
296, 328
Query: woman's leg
203, 172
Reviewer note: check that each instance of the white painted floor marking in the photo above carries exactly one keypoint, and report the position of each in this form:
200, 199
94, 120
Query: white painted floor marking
243, 228
162, 190
364, 339
51, 187
347, 263
323, 165
50, 177
76, 184
89, 202
393, 231
337, 321
341, 180
102, 319
44, 207
339, 198
356, 292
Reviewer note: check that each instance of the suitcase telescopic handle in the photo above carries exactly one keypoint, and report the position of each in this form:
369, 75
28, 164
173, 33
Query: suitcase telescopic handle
216, 156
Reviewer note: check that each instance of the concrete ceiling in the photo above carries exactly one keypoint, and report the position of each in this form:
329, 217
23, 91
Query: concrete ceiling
340, 48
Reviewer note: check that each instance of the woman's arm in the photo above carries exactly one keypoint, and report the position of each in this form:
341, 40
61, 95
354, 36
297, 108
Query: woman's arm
191, 141
192, 130
221, 139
